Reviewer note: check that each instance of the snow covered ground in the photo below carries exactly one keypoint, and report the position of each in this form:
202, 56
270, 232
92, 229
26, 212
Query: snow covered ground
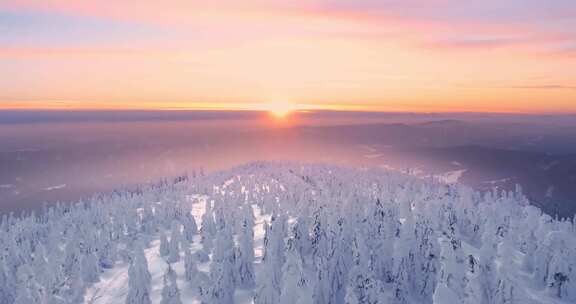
292, 233
113, 286
450, 177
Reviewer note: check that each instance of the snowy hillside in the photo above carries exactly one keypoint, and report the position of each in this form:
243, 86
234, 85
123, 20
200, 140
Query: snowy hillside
291, 233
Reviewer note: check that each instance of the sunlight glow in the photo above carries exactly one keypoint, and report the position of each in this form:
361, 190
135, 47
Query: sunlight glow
279, 109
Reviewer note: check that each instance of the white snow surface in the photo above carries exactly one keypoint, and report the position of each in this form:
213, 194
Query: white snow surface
466, 247
56, 187
114, 284
450, 177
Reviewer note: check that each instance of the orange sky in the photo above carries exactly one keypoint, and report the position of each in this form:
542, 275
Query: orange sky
406, 56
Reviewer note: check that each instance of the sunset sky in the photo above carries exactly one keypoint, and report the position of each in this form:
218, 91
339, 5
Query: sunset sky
385, 55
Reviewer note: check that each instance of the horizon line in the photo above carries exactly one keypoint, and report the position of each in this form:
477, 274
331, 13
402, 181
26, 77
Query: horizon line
259, 110
260, 106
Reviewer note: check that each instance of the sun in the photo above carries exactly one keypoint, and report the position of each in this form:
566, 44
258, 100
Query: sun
279, 109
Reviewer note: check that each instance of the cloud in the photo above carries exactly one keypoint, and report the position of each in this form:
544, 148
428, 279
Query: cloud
544, 87
475, 42
566, 49
485, 11
50, 29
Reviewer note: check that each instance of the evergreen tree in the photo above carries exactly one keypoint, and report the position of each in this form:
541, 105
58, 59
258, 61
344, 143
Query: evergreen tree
190, 227
294, 279
7, 286
268, 285
208, 229
453, 270
362, 285
174, 245
90, 268
319, 242
222, 269
190, 268
164, 245
138, 279
170, 292
301, 236
245, 255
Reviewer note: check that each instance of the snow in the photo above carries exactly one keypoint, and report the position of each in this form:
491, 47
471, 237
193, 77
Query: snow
456, 163
401, 235
113, 287
443, 294
56, 187
450, 177
499, 181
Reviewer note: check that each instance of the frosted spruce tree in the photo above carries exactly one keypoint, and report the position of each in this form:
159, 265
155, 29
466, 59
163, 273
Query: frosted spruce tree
208, 229
164, 245
190, 227
222, 269
453, 272
90, 268
301, 235
362, 284
295, 285
138, 279
7, 285
170, 292
269, 279
174, 244
245, 252
190, 268
339, 261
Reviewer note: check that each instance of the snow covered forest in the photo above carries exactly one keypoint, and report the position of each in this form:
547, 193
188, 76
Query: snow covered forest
290, 233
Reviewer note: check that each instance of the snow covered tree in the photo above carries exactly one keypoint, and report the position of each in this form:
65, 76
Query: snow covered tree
487, 272
190, 268
7, 285
322, 288
75, 286
90, 268
319, 241
268, 289
301, 235
295, 284
208, 229
357, 236
106, 253
190, 227
530, 248
164, 245
269, 281
138, 279
453, 272
222, 269
170, 292
362, 285
245, 255
174, 245
427, 262
26, 291
72, 256
23, 295
339, 262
